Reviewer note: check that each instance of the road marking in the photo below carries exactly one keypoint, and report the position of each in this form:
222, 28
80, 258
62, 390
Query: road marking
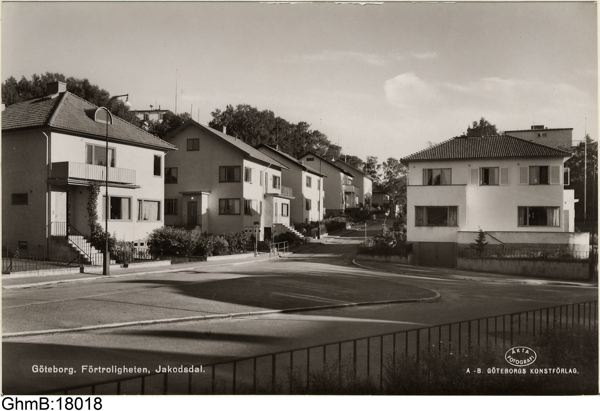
309, 297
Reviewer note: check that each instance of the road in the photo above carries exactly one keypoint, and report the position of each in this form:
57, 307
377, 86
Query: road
317, 275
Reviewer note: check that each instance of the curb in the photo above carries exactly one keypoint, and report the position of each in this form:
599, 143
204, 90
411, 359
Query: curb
116, 276
524, 281
5, 336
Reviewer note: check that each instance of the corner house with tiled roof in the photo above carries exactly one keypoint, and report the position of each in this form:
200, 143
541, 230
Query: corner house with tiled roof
510, 188
53, 151
340, 191
218, 184
306, 183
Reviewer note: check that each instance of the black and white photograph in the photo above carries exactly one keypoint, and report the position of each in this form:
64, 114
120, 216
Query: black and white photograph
298, 198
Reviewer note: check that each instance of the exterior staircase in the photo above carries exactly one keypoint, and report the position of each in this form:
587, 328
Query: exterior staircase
86, 251
291, 230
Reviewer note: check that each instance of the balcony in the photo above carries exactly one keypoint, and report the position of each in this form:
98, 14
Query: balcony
72, 173
284, 191
349, 188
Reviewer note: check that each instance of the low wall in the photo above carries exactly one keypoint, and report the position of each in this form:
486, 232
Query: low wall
576, 241
383, 258
567, 270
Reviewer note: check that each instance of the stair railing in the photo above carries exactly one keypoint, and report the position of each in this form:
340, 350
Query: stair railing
87, 247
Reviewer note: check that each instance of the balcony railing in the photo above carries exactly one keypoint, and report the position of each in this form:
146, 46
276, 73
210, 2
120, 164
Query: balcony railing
82, 171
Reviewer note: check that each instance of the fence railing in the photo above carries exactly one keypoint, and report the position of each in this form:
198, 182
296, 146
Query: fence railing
13, 263
352, 360
529, 253
279, 248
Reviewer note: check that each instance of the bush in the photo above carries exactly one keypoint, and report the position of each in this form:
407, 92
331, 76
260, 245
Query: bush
358, 215
98, 239
335, 224
123, 252
171, 241
238, 242
220, 246
287, 236
388, 243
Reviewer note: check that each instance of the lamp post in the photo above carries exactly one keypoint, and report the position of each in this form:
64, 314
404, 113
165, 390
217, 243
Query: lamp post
109, 120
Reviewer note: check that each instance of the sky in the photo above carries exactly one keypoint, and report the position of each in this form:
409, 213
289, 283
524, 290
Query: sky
378, 79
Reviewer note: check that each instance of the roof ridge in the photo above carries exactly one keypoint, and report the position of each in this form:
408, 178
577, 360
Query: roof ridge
116, 116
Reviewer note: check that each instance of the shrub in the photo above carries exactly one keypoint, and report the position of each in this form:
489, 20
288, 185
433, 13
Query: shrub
123, 252
357, 215
287, 236
335, 224
98, 239
170, 241
388, 243
220, 246
238, 242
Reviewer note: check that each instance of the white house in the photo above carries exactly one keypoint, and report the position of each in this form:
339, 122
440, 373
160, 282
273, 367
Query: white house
506, 186
362, 182
218, 184
340, 192
53, 152
305, 182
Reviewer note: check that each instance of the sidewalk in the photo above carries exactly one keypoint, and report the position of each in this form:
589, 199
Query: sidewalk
12, 281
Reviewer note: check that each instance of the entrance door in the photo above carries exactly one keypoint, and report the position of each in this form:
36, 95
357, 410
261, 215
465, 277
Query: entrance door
192, 213
58, 213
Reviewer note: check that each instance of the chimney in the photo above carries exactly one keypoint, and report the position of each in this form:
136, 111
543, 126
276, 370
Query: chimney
56, 87
537, 127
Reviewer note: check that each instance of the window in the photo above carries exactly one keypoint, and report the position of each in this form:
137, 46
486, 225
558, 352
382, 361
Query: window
171, 175
539, 216
120, 208
148, 210
310, 159
567, 176
488, 176
170, 206
308, 204
318, 205
261, 181
347, 180
436, 216
250, 207
319, 184
538, 175
229, 174
285, 210
247, 174
157, 165
193, 144
437, 176
96, 155
276, 182
19, 198
229, 206
308, 181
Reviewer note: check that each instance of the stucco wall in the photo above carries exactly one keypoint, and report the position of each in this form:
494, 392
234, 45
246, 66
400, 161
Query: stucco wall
491, 208
24, 171
333, 195
73, 148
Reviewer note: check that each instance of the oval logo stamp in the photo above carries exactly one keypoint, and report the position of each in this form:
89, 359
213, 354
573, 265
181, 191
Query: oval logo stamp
520, 356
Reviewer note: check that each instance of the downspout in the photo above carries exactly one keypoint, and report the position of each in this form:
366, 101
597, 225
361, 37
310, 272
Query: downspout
48, 202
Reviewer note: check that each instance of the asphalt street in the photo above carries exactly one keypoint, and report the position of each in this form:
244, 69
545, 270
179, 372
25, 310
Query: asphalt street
317, 275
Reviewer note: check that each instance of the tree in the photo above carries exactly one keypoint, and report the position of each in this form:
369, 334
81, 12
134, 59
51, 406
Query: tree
577, 170
170, 121
14, 91
483, 128
372, 169
353, 161
393, 183
255, 126
480, 243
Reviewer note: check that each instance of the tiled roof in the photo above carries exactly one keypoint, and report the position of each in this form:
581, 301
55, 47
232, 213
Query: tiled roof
292, 159
70, 113
331, 163
503, 146
343, 163
236, 142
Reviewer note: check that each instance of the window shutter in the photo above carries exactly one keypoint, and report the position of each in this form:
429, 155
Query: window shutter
555, 175
504, 176
523, 175
474, 176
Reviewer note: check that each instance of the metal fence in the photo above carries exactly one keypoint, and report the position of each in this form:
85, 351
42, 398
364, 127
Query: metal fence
279, 248
360, 359
19, 264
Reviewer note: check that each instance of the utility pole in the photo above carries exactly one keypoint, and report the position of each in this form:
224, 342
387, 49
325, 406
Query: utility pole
176, 75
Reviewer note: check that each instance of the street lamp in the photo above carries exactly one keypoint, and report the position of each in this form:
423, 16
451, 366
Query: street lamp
109, 120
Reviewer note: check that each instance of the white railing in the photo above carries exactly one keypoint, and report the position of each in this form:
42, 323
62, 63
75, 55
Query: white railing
72, 169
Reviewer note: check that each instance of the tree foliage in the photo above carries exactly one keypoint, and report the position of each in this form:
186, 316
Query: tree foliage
372, 168
393, 182
483, 128
255, 126
170, 121
14, 91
